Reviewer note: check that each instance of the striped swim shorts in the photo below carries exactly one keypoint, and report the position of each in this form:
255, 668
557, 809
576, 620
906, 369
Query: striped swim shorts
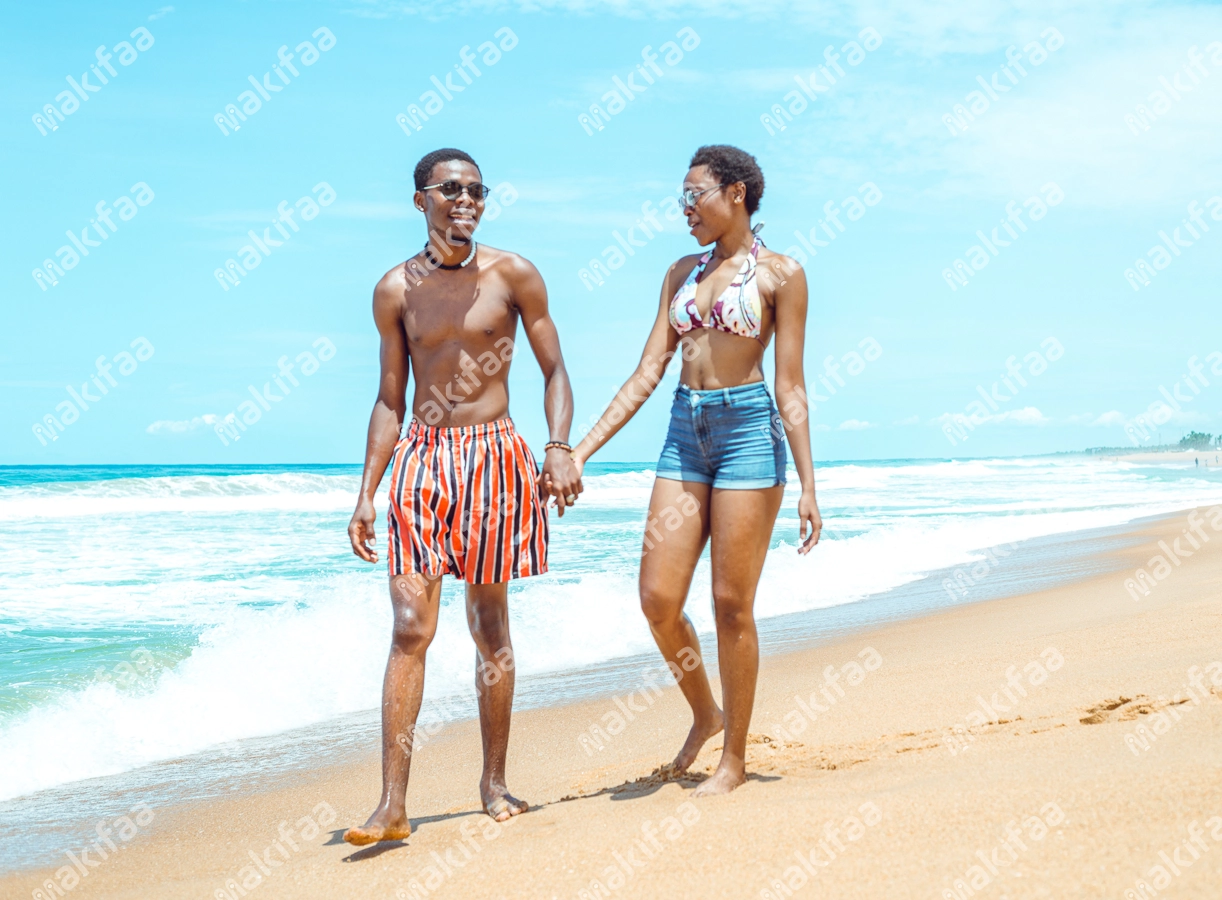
465, 501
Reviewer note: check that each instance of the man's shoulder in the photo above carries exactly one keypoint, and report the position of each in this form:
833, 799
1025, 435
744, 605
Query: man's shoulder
392, 283
514, 265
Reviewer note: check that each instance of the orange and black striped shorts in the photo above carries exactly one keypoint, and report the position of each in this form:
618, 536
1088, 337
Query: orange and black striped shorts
465, 501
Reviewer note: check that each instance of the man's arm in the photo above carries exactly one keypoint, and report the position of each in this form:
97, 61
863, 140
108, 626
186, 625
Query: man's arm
790, 301
559, 475
387, 418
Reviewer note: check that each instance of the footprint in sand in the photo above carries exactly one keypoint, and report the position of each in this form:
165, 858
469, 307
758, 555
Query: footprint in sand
1099, 712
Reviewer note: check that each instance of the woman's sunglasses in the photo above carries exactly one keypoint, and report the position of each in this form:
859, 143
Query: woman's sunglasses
689, 197
452, 190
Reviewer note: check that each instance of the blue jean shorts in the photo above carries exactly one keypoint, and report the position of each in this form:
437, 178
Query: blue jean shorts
727, 437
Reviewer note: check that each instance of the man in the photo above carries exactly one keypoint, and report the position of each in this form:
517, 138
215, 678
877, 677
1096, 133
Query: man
466, 496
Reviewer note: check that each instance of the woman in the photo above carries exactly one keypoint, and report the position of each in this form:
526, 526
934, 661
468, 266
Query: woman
723, 463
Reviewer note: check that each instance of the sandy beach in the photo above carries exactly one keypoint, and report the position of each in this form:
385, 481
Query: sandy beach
994, 750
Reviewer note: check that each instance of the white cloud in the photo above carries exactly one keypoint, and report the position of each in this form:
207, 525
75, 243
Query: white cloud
1027, 415
164, 11
182, 426
853, 425
1111, 417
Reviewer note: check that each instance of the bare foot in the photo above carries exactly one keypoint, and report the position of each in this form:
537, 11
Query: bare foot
701, 732
721, 782
380, 827
500, 804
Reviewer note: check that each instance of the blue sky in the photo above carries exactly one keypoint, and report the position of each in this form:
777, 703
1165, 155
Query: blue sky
882, 277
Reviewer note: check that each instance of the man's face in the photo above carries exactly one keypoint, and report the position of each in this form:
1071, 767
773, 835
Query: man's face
457, 218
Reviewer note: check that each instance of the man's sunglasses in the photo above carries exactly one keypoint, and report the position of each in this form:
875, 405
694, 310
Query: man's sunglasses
452, 190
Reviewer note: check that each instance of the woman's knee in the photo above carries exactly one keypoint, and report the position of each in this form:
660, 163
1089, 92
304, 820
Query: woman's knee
661, 607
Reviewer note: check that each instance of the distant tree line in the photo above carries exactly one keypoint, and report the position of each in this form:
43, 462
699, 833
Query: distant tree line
1199, 440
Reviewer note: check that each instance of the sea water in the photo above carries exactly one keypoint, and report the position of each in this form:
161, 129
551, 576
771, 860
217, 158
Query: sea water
158, 613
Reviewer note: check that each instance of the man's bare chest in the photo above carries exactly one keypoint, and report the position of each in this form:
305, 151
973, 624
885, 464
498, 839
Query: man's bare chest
474, 317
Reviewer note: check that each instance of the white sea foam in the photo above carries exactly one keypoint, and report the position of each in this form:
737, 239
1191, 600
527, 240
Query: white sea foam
183, 493
286, 629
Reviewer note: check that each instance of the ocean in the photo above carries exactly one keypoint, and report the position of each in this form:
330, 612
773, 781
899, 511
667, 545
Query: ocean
211, 616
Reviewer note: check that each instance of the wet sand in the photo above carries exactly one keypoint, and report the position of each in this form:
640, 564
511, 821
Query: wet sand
996, 745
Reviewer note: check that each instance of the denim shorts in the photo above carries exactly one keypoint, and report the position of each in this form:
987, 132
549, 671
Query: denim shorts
726, 437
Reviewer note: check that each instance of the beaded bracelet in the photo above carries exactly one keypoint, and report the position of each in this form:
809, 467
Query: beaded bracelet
560, 445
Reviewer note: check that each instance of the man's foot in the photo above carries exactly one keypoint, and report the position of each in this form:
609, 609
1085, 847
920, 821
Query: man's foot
721, 782
500, 804
380, 827
701, 732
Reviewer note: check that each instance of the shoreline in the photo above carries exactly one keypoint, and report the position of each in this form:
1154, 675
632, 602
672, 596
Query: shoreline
261, 762
883, 737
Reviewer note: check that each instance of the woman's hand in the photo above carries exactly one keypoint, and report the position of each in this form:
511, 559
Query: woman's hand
560, 478
808, 515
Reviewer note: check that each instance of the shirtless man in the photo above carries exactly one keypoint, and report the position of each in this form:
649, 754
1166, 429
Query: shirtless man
466, 496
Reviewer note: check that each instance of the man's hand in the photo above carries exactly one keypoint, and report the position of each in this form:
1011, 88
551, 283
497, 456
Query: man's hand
808, 515
360, 531
560, 478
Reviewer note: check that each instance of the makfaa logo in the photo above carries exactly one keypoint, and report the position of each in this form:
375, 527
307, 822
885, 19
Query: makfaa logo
52, 271
415, 117
70, 410
794, 103
253, 254
1142, 273
251, 103
68, 102
624, 92
958, 273
1142, 117
230, 427
978, 104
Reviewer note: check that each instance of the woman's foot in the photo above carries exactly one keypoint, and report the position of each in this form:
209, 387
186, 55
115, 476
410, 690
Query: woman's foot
701, 731
380, 827
500, 804
724, 780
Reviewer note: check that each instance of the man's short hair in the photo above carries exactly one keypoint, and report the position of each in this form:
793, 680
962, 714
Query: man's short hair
729, 165
424, 168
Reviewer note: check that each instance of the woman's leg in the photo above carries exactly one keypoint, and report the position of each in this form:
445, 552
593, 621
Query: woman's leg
675, 534
741, 529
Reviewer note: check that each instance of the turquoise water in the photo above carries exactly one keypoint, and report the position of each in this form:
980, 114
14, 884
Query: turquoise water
153, 613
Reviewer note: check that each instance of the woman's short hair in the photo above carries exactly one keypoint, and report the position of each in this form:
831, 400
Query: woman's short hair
729, 165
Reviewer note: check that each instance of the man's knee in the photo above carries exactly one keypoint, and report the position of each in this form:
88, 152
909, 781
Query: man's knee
732, 611
412, 632
415, 621
489, 626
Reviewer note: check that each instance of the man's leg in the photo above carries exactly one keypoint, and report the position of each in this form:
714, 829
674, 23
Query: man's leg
488, 618
415, 600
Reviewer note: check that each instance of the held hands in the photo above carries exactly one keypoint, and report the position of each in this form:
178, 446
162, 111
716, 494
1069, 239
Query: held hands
360, 531
808, 514
560, 478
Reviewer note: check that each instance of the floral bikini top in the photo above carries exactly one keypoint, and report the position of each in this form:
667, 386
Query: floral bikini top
736, 311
